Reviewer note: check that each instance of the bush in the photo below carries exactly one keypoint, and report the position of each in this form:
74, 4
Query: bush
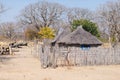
30, 34
46, 33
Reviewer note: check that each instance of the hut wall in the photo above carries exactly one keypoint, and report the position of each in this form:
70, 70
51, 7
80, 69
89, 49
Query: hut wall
77, 56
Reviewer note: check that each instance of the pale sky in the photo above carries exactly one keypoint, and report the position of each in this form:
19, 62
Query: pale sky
15, 6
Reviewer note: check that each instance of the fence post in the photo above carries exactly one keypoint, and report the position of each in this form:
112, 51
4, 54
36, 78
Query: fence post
10, 50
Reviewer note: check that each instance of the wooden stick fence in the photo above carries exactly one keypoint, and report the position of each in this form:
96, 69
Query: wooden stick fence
77, 56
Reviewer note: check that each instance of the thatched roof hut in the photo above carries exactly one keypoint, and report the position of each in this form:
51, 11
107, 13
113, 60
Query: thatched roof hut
80, 37
74, 46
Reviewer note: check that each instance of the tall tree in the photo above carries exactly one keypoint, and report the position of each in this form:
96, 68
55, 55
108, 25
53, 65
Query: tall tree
109, 17
42, 14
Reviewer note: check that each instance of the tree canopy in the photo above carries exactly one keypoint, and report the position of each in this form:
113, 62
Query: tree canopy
87, 25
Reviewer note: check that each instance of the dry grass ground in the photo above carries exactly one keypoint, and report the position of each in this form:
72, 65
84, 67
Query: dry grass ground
23, 66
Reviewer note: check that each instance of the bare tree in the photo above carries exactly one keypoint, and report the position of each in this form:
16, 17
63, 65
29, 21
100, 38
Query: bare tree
109, 17
78, 13
42, 14
7, 30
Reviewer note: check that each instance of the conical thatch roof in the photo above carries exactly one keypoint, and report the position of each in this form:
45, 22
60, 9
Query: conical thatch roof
80, 36
61, 35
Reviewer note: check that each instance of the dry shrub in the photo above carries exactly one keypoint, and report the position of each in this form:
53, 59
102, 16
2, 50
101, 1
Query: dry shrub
30, 34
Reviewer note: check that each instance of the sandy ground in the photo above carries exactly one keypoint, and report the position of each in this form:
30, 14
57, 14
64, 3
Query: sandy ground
23, 66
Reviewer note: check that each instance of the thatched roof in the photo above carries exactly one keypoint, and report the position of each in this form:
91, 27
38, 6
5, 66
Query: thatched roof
61, 35
80, 36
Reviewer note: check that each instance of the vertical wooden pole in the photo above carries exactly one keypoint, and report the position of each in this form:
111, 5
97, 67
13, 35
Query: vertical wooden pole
10, 50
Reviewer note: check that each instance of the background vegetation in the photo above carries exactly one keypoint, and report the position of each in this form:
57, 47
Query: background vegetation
103, 22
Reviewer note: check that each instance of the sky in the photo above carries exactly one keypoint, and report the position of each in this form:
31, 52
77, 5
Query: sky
14, 7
